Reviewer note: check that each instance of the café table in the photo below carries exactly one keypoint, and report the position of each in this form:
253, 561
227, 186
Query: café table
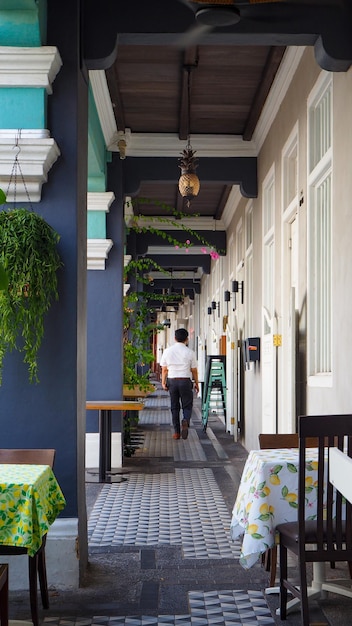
30, 501
268, 496
105, 408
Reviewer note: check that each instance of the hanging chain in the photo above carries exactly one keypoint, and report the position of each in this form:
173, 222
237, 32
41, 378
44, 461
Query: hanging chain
16, 172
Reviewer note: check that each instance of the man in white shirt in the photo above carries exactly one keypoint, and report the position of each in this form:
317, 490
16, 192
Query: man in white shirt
179, 367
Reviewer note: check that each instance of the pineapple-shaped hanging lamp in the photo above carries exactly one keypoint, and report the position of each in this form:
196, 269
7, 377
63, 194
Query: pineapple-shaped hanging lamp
188, 183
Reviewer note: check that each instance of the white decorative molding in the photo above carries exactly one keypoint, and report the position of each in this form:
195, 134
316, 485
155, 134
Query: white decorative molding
191, 223
29, 67
126, 260
102, 100
231, 205
97, 253
169, 145
278, 91
100, 201
36, 153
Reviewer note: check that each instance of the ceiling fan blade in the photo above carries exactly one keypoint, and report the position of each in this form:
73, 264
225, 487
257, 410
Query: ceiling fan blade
210, 14
193, 36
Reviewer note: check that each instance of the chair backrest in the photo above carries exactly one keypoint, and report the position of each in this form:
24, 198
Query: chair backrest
30, 456
332, 515
281, 440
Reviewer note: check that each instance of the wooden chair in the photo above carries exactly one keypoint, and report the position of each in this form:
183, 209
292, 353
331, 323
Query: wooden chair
329, 536
271, 442
36, 563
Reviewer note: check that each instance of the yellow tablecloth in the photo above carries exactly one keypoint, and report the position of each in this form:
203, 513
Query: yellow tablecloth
267, 496
30, 501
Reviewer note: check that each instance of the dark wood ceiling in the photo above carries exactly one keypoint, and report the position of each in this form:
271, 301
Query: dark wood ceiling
214, 86
203, 90
228, 87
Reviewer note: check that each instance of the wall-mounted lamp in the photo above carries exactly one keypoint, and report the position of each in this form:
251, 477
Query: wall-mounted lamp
209, 310
236, 286
227, 298
214, 306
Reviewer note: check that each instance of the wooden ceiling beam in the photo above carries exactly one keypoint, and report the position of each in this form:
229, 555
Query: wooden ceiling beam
190, 62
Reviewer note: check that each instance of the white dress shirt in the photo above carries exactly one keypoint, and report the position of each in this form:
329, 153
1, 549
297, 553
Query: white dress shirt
179, 359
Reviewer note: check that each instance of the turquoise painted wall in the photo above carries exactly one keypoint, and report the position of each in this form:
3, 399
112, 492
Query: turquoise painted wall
96, 150
23, 22
23, 108
97, 160
96, 227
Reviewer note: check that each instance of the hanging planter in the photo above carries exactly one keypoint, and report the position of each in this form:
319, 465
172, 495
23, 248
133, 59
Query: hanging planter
29, 261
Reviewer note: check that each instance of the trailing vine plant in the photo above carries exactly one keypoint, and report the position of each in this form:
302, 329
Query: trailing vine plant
143, 224
138, 324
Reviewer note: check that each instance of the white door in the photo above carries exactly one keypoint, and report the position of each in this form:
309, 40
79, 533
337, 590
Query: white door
268, 370
287, 413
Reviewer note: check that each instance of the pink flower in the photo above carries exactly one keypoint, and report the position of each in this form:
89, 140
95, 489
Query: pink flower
214, 254
188, 242
177, 247
204, 250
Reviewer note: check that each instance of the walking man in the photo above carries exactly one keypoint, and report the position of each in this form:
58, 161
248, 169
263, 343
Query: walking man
179, 367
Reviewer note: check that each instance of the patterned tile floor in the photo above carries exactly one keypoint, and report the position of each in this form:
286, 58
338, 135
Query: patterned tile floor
181, 507
224, 608
185, 508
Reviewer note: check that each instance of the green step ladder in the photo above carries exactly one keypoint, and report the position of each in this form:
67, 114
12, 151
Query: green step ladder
214, 387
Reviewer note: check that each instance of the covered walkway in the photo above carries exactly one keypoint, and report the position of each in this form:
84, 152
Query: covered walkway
159, 542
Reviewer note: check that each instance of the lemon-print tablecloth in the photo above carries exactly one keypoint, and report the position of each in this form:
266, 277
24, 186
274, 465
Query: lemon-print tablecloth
267, 496
30, 501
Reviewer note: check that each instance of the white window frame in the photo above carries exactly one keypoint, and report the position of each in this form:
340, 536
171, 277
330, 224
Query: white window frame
269, 246
319, 260
248, 265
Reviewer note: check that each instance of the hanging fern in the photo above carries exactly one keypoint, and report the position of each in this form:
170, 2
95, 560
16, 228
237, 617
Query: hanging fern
30, 260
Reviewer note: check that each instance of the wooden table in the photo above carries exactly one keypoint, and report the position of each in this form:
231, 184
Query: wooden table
105, 407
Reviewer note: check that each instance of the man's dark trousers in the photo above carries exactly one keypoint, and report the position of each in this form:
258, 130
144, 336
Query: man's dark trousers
181, 390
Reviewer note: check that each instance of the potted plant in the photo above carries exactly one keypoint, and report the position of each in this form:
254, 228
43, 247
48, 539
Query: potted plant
29, 261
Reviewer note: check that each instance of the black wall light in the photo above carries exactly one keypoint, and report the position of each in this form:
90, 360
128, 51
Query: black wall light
227, 298
238, 286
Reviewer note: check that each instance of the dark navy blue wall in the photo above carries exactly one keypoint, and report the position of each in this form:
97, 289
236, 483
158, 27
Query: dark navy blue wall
51, 413
105, 310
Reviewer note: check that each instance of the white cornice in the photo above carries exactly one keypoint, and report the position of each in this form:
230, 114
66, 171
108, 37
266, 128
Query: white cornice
277, 93
192, 223
100, 200
97, 253
36, 153
169, 145
103, 103
194, 249
29, 67
231, 205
